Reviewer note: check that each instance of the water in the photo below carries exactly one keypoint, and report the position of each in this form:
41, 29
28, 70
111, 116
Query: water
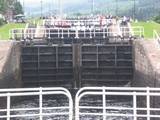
61, 101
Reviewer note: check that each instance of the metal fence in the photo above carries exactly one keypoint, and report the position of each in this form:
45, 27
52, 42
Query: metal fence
38, 112
91, 103
156, 36
72, 33
142, 103
89, 22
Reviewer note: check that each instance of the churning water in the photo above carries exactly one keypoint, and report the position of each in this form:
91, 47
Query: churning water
61, 101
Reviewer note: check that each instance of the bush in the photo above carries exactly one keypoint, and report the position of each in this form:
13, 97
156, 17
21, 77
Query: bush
2, 22
157, 19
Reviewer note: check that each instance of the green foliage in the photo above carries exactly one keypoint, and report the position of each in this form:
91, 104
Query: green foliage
18, 8
2, 22
14, 5
157, 19
3, 6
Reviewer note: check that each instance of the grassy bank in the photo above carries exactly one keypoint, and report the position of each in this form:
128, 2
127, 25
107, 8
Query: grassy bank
4, 30
148, 28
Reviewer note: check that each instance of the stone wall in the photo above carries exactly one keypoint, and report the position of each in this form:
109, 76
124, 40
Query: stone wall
10, 65
147, 64
147, 67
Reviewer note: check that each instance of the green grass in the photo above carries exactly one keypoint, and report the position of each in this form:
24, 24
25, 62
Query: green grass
148, 28
4, 30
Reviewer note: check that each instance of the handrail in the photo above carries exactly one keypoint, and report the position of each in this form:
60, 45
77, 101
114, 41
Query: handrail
70, 32
133, 93
156, 36
40, 111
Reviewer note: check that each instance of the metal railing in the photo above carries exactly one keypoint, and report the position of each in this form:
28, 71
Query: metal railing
88, 22
156, 36
39, 112
133, 31
147, 110
143, 103
71, 33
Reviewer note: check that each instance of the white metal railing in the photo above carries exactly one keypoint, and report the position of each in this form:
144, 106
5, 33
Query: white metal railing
156, 36
133, 31
40, 111
70, 32
88, 22
146, 96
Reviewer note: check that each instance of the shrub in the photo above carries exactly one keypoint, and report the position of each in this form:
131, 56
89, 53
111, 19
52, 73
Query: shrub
2, 22
157, 19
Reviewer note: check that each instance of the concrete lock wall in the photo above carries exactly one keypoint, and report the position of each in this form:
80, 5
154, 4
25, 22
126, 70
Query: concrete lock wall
146, 69
10, 64
147, 64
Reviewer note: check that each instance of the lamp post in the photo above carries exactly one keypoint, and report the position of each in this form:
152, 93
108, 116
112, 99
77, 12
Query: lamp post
116, 8
23, 6
41, 9
93, 5
60, 8
134, 10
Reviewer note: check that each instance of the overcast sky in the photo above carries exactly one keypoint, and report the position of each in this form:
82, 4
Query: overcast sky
32, 6
36, 2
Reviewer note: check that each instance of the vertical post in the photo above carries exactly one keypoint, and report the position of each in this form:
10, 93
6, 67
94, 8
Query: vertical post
93, 5
77, 108
60, 8
116, 7
77, 33
90, 33
49, 33
148, 104
134, 106
8, 106
56, 57
40, 104
104, 104
41, 9
104, 33
62, 33
134, 10
68, 33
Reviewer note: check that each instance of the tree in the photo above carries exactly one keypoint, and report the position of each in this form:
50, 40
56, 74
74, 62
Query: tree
13, 5
18, 9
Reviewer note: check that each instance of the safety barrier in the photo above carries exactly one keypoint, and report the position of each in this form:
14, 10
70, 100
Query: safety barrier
156, 36
71, 33
39, 111
89, 22
143, 103
90, 103
133, 31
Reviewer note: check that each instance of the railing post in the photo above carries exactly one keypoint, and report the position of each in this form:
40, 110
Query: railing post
40, 104
134, 106
148, 104
104, 104
8, 106
77, 33
62, 33
58, 32
49, 33
90, 34
68, 33
104, 33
